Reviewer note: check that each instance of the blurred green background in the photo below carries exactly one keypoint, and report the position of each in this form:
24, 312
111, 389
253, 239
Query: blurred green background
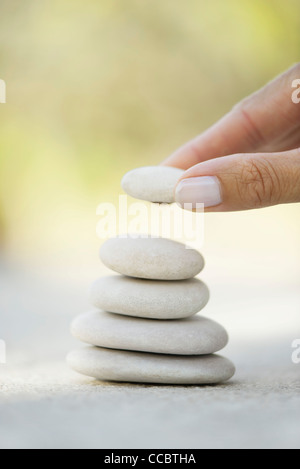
95, 88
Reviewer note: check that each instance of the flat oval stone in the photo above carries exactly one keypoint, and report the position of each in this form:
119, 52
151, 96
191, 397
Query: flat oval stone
192, 336
151, 258
152, 183
137, 367
154, 299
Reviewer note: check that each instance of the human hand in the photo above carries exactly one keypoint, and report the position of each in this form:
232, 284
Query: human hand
250, 158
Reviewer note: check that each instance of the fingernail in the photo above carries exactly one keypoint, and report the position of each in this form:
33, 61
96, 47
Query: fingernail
200, 190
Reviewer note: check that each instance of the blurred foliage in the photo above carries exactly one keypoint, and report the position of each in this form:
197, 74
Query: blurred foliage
98, 87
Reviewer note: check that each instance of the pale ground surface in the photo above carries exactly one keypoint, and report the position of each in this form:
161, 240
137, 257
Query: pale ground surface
45, 405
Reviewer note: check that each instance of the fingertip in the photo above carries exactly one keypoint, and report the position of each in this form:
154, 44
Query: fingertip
198, 192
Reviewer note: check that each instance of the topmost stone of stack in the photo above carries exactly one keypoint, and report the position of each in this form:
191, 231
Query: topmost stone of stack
151, 258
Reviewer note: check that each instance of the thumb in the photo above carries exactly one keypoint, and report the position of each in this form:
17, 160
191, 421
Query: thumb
241, 182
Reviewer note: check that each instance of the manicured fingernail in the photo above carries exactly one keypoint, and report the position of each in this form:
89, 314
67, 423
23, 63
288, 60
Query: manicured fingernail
200, 190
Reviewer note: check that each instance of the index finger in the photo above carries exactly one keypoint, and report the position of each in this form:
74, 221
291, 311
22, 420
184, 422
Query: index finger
266, 121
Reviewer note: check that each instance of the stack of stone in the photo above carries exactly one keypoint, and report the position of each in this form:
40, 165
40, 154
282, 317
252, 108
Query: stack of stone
145, 327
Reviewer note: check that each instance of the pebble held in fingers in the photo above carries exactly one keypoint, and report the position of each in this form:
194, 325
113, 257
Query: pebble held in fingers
136, 367
152, 183
151, 258
192, 336
152, 299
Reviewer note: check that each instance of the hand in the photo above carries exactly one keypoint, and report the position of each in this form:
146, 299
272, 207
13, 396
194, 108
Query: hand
250, 158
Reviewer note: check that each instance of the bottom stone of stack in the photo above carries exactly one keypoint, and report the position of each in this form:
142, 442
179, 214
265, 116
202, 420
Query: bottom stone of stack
139, 367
